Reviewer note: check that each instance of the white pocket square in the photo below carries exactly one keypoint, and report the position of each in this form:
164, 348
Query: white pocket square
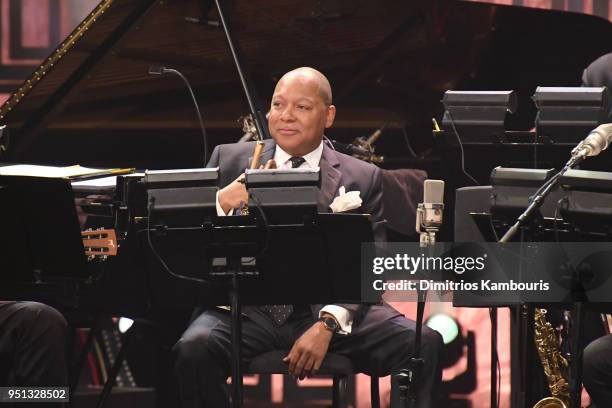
346, 201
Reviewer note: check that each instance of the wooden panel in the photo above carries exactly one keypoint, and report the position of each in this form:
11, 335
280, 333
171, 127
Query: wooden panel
35, 24
601, 8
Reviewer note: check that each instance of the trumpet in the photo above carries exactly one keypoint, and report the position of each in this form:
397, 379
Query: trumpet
270, 164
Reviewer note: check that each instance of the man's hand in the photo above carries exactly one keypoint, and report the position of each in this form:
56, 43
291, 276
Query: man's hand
308, 351
233, 195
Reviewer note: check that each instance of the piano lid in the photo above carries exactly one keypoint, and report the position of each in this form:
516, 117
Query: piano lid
93, 101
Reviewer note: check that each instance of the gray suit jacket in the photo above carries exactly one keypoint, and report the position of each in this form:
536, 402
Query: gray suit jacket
337, 169
599, 73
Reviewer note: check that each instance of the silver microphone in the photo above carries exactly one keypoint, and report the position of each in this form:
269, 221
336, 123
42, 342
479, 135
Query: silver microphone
597, 141
429, 212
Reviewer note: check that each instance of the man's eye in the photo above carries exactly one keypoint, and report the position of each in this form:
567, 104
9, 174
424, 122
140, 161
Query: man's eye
303, 107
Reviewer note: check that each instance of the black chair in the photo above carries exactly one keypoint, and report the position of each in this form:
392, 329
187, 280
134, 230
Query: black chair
337, 366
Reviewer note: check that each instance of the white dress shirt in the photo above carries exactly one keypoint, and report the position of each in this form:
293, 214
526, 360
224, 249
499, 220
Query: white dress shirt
312, 160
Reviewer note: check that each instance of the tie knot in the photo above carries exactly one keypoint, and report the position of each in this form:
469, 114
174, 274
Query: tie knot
296, 162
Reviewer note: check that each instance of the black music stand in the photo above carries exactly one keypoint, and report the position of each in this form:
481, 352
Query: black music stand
477, 226
321, 251
41, 237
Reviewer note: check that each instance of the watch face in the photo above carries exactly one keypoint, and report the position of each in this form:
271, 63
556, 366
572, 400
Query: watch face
330, 323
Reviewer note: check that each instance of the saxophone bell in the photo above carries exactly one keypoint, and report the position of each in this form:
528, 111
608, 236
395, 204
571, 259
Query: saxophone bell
550, 402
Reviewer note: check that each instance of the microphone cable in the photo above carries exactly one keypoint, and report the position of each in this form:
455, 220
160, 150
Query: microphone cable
161, 70
461, 149
407, 140
159, 258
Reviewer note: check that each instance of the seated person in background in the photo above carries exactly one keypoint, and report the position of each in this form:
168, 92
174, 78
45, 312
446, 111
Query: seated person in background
599, 73
32, 345
378, 340
597, 371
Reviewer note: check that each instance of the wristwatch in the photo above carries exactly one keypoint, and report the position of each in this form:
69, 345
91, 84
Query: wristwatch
330, 323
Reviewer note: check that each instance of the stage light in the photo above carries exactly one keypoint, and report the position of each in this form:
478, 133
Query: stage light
454, 392
124, 324
454, 341
445, 325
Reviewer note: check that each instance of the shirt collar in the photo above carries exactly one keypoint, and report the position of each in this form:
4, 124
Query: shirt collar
313, 158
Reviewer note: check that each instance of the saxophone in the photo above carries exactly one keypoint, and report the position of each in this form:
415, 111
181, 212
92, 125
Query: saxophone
554, 364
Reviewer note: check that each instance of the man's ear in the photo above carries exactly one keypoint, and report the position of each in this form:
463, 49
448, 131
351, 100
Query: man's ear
331, 115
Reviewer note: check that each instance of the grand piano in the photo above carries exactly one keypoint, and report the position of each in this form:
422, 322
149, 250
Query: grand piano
94, 102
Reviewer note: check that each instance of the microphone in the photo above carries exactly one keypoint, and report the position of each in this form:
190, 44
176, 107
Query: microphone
161, 70
597, 141
157, 70
429, 212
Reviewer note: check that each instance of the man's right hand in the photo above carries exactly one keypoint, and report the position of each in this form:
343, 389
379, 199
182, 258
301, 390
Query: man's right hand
233, 195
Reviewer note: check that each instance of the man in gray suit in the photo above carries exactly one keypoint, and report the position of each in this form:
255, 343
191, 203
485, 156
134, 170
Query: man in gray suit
599, 73
378, 339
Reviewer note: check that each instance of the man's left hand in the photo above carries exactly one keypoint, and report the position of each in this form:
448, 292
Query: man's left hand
308, 351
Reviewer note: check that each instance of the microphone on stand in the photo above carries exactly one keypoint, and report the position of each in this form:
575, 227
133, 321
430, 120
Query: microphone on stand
429, 212
597, 141
161, 70
428, 222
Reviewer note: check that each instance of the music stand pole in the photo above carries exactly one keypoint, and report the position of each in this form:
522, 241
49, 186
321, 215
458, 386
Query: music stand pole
494, 384
576, 353
236, 331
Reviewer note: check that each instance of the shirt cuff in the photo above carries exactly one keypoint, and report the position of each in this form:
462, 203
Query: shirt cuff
220, 211
342, 315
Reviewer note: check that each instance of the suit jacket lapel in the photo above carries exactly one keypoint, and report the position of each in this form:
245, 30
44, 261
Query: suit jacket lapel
330, 178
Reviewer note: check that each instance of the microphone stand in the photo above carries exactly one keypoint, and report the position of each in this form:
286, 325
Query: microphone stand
539, 198
523, 219
409, 379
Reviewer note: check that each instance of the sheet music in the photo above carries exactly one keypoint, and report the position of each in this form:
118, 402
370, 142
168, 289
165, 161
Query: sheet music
76, 171
97, 182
